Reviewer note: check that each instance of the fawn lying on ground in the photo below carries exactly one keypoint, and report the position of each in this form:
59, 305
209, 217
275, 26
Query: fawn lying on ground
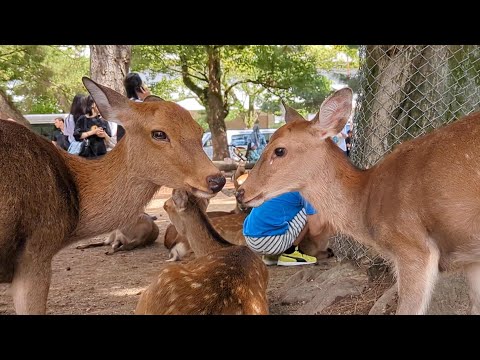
223, 279
419, 206
49, 198
143, 232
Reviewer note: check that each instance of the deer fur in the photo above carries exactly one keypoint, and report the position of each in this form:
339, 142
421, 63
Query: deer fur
419, 207
223, 279
143, 232
238, 173
49, 198
230, 227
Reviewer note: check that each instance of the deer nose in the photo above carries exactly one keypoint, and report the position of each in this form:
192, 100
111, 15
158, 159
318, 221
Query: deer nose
240, 194
216, 182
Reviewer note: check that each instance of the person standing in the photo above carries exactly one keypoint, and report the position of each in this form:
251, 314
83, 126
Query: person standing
256, 144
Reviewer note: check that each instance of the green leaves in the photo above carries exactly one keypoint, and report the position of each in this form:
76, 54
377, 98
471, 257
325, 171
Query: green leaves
264, 72
44, 78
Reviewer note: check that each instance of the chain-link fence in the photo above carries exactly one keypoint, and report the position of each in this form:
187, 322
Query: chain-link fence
406, 91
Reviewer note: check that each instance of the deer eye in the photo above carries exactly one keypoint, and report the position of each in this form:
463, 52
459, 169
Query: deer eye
280, 152
160, 135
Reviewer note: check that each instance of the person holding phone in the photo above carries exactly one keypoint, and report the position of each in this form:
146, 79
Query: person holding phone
135, 88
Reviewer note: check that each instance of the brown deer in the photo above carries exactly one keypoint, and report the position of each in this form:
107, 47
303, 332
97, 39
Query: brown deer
143, 232
49, 198
229, 227
223, 279
419, 206
236, 178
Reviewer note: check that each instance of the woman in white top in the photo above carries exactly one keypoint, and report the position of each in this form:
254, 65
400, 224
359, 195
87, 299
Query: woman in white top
77, 109
117, 133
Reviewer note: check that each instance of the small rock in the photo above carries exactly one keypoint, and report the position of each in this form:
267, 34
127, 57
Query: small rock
68, 268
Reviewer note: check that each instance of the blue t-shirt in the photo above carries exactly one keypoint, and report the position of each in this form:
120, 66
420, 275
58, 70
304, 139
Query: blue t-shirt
272, 217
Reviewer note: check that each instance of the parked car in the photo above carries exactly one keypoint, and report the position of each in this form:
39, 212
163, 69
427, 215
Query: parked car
237, 141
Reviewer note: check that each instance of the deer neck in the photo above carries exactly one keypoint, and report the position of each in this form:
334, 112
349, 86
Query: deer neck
201, 234
110, 193
338, 191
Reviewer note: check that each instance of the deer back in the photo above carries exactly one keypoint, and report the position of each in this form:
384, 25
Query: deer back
33, 194
229, 281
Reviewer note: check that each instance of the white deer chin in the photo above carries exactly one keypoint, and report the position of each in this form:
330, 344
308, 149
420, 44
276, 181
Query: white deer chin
256, 201
200, 193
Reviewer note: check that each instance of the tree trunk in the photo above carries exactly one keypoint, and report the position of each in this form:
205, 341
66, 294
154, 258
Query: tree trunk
463, 80
215, 106
8, 110
408, 90
109, 64
423, 101
387, 70
251, 115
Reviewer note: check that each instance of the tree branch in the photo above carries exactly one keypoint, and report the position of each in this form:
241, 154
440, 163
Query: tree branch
204, 78
258, 82
12, 52
227, 90
186, 77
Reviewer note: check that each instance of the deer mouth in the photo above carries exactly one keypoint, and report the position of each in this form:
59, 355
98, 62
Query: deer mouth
201, 193
254, 202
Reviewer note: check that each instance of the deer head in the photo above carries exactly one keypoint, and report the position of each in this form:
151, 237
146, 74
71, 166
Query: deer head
179, 202
160, 132
285, 164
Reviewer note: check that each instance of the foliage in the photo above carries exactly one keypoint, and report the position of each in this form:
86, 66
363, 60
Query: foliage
21, 62
331, 57
44, 78
252, 77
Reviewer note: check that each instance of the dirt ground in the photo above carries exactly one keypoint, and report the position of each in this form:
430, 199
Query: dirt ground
90, 282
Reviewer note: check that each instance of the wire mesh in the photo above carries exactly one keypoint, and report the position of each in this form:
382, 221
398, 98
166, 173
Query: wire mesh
404, 92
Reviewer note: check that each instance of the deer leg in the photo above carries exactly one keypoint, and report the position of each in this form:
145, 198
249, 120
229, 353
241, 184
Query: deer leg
95, 244
472, 273
178, 252
173, 255
119, 244
108, 241
31, 282
132, 244
171, 259
316, 240
417, 275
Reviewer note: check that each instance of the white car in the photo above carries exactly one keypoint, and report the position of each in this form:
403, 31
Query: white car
235, 138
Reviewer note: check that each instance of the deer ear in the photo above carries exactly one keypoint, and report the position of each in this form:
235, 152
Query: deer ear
289, 113
109, 102
151, 98
180, 199
334, 113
